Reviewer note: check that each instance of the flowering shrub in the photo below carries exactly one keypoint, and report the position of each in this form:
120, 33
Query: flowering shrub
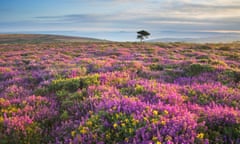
222, 125
209, 93
23, 118
119, 93
107, 128
72, 84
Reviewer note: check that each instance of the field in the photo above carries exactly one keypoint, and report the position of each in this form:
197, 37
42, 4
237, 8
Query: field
105, 92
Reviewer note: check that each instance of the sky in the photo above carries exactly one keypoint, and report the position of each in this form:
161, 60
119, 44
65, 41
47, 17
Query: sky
119, 20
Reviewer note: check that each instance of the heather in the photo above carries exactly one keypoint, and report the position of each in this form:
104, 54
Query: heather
119, 93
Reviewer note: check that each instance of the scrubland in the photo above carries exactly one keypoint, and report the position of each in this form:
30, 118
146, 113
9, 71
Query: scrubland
109, 92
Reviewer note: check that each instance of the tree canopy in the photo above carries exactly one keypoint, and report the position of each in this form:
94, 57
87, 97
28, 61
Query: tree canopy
142, 35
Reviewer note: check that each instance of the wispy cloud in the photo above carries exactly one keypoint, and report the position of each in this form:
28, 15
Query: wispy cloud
123, 15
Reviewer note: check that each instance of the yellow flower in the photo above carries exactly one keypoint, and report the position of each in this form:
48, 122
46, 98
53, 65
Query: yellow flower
154, 138
1, 119
154, 121
90, 112
134, 121
2, 100
123, 124
165, 112
137, 121
130, 130
73, 133
145, 118
3, 110
89, 123
115, 125
108, 136
147, 107
24, 102
84, 130
94, 136
158, 142
126, 120
163, 122
200, 135
168, 138
155, 112
126, 139
117, 135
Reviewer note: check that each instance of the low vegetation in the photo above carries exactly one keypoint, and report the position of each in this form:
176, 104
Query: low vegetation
119, 93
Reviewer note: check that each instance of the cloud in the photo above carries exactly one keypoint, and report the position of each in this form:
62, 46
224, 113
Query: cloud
153, 15
175, 18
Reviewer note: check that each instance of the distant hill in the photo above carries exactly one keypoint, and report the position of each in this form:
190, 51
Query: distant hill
42, 38
216, 39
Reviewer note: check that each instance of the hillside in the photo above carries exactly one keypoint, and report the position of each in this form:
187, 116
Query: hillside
169, 93
216, 39
41, 38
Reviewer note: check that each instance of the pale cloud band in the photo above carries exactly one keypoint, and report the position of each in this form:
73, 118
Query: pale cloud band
155, 15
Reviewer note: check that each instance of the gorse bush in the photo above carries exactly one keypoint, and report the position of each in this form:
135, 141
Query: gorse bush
108, 128
72, 84
69, 84
89, 80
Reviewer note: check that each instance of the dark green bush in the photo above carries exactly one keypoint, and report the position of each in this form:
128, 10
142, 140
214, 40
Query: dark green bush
234, 57
62, 94
218, 131
172, 74
156, 67
32, 134
26, 61
41, 91
196, 69
199, 97
133, 91
203, 57
204, 47
225, 48
64, 115
230, 75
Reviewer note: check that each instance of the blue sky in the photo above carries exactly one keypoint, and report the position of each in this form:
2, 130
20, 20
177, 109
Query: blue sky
120, 19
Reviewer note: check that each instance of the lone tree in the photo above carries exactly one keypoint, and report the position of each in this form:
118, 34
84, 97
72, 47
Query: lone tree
142, 35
